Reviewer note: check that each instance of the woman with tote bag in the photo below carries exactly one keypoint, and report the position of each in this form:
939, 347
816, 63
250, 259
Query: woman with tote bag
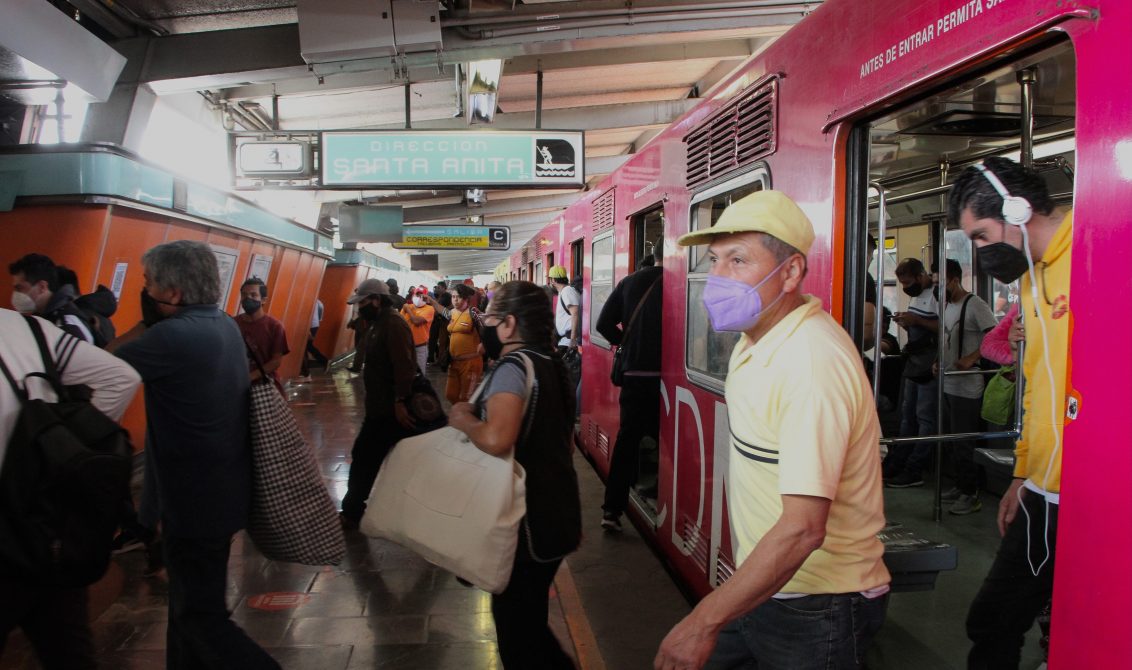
520, 323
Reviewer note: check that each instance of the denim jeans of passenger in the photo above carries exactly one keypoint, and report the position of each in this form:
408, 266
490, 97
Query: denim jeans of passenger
821, 632
200, 633
1011, 595
918, 418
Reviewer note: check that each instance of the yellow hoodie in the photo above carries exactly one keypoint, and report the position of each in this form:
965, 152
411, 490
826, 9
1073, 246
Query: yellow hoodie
1041, 432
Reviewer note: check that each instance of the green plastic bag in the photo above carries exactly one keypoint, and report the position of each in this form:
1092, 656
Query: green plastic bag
998, 398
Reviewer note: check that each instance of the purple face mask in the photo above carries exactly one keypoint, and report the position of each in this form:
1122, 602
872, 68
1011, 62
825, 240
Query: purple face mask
732, 305
490, 295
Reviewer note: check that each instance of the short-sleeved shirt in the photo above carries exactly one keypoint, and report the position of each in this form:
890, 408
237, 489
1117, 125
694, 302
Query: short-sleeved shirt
803, 422
924, 305
568, 296
977, 321
463, 340
265, 337
420, 333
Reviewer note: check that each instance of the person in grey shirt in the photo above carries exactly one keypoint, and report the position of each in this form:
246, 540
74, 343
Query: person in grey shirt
966, 319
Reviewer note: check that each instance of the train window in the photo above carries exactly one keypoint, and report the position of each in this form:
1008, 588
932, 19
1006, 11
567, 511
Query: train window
601, 282
706, 351
538, 277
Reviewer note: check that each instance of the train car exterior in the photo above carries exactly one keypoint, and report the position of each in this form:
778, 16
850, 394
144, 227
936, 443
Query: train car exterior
808, 116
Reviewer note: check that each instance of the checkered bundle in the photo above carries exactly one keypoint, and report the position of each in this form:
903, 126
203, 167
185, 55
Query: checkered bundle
292, 517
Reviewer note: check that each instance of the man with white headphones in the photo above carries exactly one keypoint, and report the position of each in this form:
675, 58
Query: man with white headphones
1019, 233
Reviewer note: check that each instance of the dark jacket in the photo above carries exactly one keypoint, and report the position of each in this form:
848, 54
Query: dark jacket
61, 305
552, 527
391, 363
642, 349
195, 368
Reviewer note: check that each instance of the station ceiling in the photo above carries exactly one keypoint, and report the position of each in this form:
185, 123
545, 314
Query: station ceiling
620, 71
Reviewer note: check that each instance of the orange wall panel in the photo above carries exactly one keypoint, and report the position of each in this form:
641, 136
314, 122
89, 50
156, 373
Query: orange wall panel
338, 283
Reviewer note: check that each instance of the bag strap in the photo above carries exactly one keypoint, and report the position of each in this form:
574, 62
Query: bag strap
633, 316
21, 393
963, 324
528, 397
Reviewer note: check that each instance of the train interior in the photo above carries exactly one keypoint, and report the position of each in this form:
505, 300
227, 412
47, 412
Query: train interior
913, 154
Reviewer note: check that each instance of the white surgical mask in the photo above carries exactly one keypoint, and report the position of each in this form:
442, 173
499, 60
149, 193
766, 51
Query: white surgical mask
23, 303
418, 301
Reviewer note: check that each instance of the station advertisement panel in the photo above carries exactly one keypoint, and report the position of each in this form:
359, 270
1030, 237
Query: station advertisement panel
469, 159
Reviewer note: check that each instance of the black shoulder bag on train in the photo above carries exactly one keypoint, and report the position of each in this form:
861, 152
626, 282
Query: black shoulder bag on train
617, 371
64, 478
982, 363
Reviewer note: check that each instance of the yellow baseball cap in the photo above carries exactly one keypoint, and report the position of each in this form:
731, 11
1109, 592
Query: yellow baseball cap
557, 272
770, 212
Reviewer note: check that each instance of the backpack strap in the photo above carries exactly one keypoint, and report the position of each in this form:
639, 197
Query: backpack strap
50, 371
962, 324
21, 393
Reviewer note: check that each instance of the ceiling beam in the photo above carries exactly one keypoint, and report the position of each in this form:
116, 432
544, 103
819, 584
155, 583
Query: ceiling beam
599, 117
511, 206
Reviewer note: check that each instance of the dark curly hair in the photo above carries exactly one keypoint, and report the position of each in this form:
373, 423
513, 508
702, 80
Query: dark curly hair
972, 190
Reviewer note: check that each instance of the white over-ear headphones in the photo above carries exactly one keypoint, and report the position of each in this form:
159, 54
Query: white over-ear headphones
1015, 210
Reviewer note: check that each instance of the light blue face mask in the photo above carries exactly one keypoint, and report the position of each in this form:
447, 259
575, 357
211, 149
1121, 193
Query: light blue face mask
733, 305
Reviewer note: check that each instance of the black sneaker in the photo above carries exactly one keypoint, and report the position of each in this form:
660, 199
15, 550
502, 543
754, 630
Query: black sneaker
611, 522
905, 480
155, 558
348, 525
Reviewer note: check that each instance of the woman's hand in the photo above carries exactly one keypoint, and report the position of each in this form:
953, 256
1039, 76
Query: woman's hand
462, 416
1017, 331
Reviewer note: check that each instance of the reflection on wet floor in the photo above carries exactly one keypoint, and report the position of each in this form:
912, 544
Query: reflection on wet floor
384, 607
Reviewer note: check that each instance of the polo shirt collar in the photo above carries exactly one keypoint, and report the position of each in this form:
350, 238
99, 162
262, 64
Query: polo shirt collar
762, 352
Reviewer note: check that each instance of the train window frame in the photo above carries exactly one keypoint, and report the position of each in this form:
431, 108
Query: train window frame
595, 308
695, 316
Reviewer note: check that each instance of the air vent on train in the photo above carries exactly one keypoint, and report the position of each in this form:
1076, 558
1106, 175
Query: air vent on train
738, 134
603, 216
526, 252
695, 542
724, 569
602, 443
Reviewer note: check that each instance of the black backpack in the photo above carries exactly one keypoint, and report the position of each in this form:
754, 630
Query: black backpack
96, 309
63, 482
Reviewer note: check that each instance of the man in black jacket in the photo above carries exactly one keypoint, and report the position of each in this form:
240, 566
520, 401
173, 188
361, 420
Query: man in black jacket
391, 366
630, 319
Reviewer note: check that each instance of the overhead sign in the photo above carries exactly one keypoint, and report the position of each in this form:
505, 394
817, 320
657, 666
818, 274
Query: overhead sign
455, 237
468, 159
273, 159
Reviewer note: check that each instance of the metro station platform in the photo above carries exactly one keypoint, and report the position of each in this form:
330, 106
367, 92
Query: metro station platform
384, 607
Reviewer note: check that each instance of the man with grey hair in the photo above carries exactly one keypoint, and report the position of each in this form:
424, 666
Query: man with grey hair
193, 362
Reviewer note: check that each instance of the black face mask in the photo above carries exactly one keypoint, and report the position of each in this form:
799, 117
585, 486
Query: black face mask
1002, 261
914, 290
151, 314
368, 312
251, 305
492, 345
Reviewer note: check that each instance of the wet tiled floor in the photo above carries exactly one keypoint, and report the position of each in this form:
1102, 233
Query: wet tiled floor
384, 607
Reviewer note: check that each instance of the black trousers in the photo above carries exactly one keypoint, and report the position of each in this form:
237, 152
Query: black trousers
640, 417
53, 619
312, 351
964, 415
1012, 596
378, 435
200, 632
520, 613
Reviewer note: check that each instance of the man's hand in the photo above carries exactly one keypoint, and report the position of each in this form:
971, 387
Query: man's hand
401, 413
1008, 506
906, 319
687, 646
1017, 331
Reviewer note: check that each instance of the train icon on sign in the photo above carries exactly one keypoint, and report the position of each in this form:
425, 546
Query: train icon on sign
554, 158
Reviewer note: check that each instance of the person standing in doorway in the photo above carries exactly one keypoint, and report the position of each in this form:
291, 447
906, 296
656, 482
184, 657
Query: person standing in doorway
567, 310
631, 320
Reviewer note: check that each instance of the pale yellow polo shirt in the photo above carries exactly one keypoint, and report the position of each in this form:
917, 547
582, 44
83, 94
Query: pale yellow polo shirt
803, 422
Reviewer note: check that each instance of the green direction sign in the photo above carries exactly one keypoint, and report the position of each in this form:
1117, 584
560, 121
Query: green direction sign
455, 237
468, 159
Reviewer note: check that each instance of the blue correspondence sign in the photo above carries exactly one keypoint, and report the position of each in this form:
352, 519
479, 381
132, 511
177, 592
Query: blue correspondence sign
472, 158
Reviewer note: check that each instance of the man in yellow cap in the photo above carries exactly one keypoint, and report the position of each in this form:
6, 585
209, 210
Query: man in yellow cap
804, 478
567, 309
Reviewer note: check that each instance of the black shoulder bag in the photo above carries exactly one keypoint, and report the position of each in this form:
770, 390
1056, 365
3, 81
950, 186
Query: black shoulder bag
617, 371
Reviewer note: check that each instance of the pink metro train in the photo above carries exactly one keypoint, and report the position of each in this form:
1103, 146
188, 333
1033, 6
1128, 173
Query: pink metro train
863, 113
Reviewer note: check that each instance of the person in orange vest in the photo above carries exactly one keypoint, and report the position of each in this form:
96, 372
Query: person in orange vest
419, 315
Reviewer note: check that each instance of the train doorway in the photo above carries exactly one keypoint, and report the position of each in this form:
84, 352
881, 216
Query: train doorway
1022, 110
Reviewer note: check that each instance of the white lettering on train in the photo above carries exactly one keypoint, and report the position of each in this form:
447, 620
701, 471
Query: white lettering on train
684, 396
721, 458
964, 13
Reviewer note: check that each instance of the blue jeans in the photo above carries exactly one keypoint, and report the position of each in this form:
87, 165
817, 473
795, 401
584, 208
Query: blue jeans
917, 419
821, 632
